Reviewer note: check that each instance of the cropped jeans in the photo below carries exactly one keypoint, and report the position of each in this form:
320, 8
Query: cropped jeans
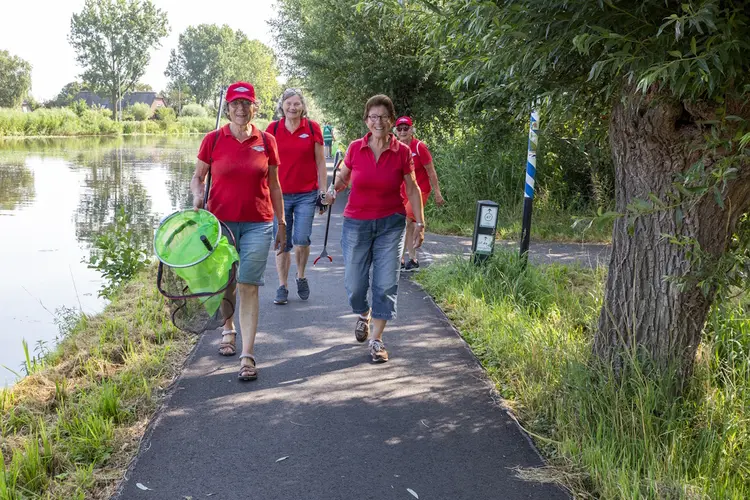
376, 244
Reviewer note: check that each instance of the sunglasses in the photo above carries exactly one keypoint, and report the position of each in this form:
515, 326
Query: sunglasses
403, 128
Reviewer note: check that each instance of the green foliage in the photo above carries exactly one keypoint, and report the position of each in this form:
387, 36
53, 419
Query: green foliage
140, 111
603, 437
209, 56
346, 54
112, 40
194, 110
15, 80
79, 107
165, 114
118, 253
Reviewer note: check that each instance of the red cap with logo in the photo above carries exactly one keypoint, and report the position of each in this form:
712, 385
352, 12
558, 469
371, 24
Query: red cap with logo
240, 90
404, 120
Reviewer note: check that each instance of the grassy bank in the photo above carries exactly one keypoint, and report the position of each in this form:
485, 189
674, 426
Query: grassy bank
65, 122
532, 332
70, 428
474, 168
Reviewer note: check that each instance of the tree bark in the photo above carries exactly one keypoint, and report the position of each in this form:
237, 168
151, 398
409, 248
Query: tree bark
654, 139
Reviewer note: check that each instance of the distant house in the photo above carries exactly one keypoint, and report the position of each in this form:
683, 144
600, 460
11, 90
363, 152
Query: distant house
26, 107
128, 99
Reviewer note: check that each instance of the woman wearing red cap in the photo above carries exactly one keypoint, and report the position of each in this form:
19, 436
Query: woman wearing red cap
375, 220
244, 194
302, 175
427, 179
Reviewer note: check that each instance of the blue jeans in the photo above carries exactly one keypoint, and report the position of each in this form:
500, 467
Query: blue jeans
376, 244
253, 241
299, 210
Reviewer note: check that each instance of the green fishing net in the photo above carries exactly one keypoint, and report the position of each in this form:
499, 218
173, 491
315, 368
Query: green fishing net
197, 266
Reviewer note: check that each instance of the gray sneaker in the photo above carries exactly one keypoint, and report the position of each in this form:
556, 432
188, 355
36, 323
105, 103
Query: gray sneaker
282, 295
377, 351
303, 288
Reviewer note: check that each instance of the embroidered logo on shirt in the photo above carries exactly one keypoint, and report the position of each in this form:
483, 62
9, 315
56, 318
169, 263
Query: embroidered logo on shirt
414, 154
304, 136
259, 148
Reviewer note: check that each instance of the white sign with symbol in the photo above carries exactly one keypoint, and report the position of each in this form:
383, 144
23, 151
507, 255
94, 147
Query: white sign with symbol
487, 217
484, 243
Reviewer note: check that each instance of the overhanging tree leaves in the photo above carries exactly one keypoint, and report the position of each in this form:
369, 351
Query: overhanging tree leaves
672, 78
345, 54
208, 56
112, 40
15, 80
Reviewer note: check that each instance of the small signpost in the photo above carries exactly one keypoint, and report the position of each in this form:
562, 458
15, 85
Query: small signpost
528, 193
485, 225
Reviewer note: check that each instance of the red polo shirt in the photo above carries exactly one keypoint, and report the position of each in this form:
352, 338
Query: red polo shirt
239, 175
375, 186
421, 156
298, 172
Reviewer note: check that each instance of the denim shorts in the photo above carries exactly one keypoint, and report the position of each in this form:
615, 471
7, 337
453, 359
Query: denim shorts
299, 210
253, 241
373, 244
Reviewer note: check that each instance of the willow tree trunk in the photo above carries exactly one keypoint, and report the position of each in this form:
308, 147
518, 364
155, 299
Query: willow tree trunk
652, 141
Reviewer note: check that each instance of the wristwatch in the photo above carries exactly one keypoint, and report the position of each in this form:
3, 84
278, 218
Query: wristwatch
419, 224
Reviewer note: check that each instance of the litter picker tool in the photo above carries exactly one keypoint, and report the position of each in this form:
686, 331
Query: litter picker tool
336, 162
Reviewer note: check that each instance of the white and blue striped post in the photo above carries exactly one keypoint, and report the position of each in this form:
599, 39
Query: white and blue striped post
528, 193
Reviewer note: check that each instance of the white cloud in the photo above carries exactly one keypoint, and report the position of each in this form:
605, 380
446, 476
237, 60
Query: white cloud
40, 35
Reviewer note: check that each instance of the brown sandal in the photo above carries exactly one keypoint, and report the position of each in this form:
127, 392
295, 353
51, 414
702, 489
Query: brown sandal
228, 348
247, 372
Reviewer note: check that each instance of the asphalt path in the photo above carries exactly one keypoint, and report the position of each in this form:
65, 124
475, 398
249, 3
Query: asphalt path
323, 422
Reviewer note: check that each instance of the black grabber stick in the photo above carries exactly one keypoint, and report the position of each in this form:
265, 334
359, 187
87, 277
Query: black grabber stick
324, 253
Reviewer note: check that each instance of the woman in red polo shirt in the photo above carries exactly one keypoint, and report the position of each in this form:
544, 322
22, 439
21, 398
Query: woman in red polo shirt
302, 175
427, 179
375, 220
244, 194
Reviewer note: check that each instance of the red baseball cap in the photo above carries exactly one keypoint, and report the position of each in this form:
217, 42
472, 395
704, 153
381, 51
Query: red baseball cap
404, 119
240, 90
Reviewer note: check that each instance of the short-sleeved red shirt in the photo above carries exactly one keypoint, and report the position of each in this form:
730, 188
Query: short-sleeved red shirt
376, 186
298, 172
421, 156
239, 175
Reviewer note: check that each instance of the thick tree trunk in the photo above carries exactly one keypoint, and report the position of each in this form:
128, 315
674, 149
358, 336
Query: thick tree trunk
652, 140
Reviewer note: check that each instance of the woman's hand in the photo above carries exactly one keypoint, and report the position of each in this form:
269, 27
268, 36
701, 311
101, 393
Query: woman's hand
197, 202
418, 234
280, 238
439, 200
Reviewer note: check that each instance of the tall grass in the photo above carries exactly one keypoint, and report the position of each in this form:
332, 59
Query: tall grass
604, 438
79, 414
471, 168
65, 122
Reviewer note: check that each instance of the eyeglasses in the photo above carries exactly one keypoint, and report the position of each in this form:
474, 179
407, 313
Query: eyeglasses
382, 118
240, 102
403, 128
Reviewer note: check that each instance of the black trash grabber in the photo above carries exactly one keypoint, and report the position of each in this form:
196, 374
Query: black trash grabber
324, 253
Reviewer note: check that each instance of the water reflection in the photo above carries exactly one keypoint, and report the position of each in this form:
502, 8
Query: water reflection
16, 186
56, 196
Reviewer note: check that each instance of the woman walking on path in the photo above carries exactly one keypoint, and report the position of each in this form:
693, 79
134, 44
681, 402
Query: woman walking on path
244, 194
424, 170
303, 177
375, 220
328, 139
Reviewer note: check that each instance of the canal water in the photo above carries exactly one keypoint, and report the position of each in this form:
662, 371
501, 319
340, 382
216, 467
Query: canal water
56, 196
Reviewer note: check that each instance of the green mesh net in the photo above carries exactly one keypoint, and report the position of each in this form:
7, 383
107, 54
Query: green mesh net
197, 265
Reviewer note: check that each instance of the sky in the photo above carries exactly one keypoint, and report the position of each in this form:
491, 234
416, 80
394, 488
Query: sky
41, 36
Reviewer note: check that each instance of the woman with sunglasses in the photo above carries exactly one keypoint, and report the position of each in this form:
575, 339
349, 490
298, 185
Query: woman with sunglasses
424, 170
244, 194
375, 220
303, 177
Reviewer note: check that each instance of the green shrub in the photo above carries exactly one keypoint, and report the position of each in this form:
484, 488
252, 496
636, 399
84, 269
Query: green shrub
79, 107
194, 109
140, 111
165, 114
